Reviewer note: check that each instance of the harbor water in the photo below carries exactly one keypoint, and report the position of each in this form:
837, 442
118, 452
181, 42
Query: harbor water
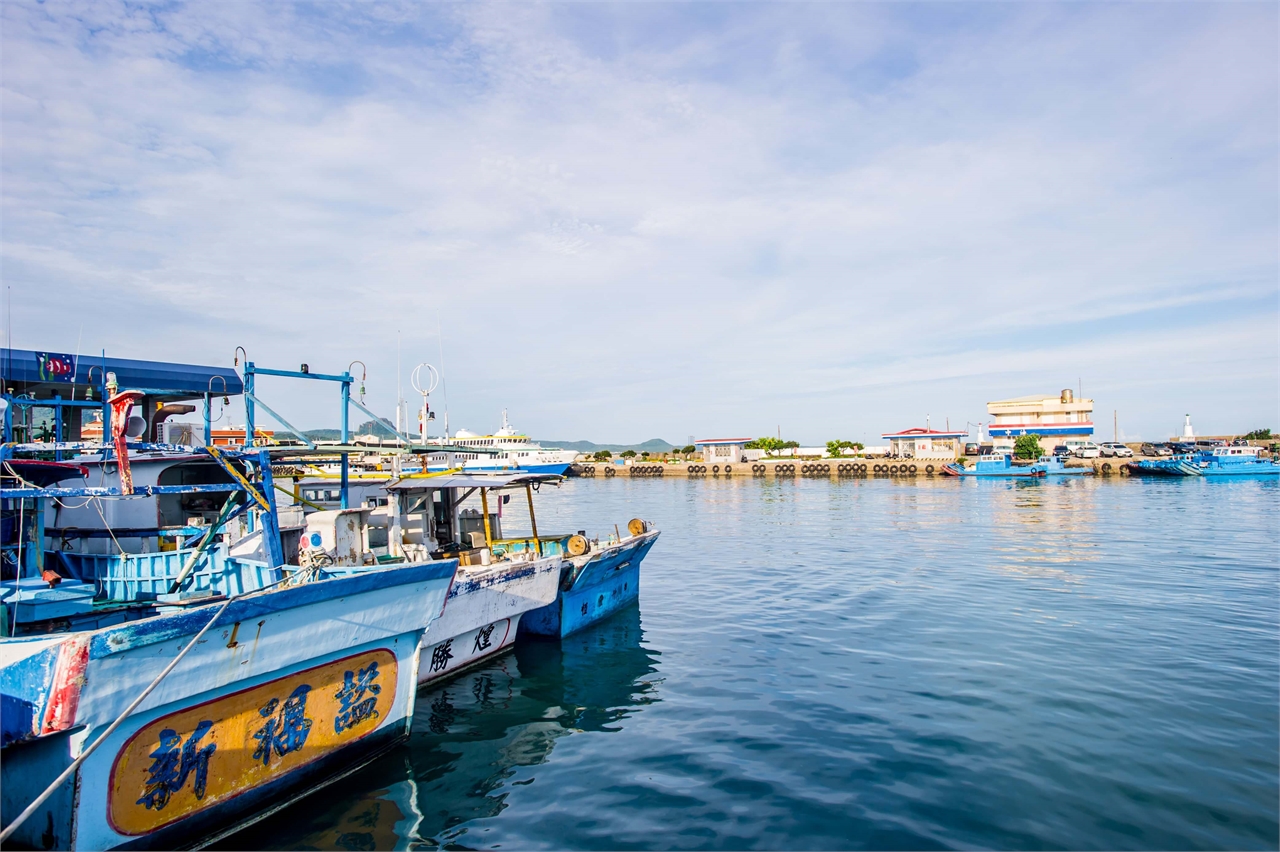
907, 664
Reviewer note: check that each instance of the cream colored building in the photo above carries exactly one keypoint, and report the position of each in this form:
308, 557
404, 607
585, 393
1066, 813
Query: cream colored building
1060, 419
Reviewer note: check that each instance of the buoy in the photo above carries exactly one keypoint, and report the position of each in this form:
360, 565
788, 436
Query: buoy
576, 546
637, 527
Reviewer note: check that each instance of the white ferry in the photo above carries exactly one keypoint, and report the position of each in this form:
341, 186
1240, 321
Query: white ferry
514, 452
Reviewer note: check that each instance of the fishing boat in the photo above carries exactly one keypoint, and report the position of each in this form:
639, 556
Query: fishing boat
499, 578
167, 672
994, 464
510, 450
1056, 466
597, 578
154, 697
1216, 462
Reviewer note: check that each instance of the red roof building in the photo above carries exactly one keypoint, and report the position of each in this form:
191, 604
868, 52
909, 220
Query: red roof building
925, 444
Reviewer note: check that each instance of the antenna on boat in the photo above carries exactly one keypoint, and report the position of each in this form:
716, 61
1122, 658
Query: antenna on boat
399, 388
445, 386
432, 379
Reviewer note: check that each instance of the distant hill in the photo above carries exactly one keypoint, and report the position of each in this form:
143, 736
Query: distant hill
653, 445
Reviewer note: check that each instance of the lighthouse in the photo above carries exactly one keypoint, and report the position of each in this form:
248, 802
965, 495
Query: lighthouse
1186, 429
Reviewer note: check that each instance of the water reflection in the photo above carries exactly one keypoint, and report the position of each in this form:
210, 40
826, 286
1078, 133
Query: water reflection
470, 736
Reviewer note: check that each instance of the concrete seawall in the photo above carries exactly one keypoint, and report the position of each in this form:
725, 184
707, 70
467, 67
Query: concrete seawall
826, 468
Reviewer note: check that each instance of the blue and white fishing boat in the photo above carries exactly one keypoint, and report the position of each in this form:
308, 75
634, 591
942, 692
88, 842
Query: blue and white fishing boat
1217, 462
1055, 466
499, 579
597, 579
995, 464
164, 697
166, 673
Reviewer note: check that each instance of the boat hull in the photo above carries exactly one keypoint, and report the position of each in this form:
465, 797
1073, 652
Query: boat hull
594, 589
287, 692
482, 614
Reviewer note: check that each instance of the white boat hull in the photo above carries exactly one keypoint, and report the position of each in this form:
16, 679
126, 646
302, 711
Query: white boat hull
483, 611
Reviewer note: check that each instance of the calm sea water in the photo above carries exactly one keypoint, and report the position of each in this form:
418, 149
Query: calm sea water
1089, 664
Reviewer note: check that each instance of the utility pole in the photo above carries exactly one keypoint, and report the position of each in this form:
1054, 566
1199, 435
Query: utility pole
1115, 428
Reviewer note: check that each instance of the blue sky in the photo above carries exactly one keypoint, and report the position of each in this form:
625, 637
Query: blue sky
652, 220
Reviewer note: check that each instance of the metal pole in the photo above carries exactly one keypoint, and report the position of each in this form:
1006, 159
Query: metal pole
208, 422
346, 435
248, 404
537, 545
484, 507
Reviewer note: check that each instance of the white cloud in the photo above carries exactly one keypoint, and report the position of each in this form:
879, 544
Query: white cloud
636, 221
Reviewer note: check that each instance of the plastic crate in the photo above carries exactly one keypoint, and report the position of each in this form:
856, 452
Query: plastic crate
144, 576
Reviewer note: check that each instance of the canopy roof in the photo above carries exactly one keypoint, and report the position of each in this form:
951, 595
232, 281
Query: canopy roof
42, 374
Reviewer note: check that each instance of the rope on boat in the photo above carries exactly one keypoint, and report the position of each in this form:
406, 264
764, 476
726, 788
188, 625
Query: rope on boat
75, 764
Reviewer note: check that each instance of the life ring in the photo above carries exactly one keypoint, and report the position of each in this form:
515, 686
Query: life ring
928, 469
913, 470
715, 468
728, 469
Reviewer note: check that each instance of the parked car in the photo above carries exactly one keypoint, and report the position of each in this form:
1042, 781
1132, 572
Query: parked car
1087, 450
1239, 442
1150, 449
1210, 443
970, 449
1061, 451
1181, 448
1114, 449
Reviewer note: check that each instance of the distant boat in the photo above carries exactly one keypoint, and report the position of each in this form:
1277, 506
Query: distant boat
994, 465
1220, 461
515, 451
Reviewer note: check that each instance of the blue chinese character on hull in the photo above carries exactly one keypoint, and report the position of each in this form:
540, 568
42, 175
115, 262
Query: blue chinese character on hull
173, 761
355, 707
286, 731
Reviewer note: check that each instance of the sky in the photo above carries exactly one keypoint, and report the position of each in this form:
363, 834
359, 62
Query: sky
622, 222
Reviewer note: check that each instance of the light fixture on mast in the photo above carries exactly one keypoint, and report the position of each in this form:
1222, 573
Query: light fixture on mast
424, 384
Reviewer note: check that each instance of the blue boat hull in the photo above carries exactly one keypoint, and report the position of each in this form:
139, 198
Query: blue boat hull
1183, 468
592, 593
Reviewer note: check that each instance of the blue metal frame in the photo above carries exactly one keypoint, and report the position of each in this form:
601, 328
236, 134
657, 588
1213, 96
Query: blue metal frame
251, 371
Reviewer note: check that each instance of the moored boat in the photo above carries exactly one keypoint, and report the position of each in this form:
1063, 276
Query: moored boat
180, 692
597, 579
1000, 464
1217, 462
1055, 466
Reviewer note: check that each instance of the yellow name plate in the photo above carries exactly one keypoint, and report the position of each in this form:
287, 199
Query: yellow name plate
193, 759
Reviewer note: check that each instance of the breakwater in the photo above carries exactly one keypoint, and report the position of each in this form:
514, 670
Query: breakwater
816, 469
